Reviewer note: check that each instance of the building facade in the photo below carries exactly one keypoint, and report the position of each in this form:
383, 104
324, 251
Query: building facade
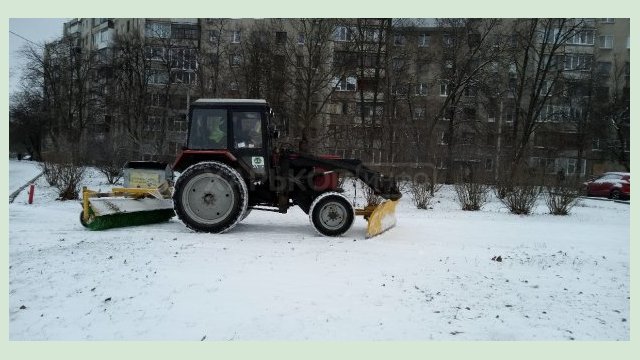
388, 91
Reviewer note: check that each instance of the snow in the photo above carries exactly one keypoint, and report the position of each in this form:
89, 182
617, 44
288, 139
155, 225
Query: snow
20, 172
272, 277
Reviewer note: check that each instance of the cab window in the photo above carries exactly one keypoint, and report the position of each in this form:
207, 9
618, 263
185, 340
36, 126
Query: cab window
208, 129
247, 129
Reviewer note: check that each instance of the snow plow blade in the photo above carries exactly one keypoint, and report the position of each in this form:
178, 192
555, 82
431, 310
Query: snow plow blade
380, 218
124, 207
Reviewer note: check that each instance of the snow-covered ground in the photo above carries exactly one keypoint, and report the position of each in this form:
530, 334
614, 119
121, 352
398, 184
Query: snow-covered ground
273, 278
20, 172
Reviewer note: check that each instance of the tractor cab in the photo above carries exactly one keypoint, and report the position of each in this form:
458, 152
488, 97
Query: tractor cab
229, 129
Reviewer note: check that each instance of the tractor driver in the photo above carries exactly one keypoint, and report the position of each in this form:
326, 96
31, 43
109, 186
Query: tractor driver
249, 131
217, 136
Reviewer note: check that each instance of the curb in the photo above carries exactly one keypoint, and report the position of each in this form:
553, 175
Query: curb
628, 202
15, 194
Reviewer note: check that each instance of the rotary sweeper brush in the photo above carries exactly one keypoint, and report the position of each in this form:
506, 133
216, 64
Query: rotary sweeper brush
231, 166
144, 199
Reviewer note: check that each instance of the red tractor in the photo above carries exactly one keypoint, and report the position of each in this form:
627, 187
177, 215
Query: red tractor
230, 166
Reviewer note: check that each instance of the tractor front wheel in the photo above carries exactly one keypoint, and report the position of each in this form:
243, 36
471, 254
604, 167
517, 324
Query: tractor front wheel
210, 197
331, 214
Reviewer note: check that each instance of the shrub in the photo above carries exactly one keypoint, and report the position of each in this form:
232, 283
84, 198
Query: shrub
521, 199
472, 195
112, 171
561, 197
422, 190
370, 197
519, 192
66, 177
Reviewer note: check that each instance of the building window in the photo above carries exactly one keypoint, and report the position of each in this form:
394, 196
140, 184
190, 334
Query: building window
421, 89
300, 38
470, 91
424, 40
184, 31
397, 64
444, 137
595, 145
509, 113
447, 40
299, 60
156, 53
214, 36
578, 62
183, 76
399, 40
347, 83
342, 33
418, 113
235, 59
371, 35
444, 89
571, 166
184, 58
546, 88
157, 30
281, 37
235, 37
606, 41
488, 164
157, 77
399, 89
583, 37
604, 67
368, 109
345, 108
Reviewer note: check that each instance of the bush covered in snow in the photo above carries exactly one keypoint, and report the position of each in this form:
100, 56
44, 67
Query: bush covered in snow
64, 176
472, 195
561, 197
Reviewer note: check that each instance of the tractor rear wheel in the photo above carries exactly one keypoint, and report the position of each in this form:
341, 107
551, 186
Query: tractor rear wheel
210, 197
331, 214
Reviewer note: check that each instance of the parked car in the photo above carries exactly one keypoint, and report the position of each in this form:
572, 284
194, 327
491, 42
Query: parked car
614, 185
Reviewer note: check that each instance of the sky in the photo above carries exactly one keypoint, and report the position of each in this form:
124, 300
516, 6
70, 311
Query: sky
36, 30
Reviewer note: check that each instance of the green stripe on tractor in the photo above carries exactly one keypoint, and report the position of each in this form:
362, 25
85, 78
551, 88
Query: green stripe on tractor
129, 219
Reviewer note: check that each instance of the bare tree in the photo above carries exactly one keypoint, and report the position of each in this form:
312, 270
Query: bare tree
134, 78
469, 50
314, 76
211, 69
27, 123
64, 74
613, 114
536, 67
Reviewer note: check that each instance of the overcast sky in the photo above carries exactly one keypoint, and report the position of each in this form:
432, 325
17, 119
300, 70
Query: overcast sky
36, 30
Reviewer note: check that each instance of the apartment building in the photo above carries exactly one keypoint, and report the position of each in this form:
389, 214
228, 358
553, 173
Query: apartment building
375, 89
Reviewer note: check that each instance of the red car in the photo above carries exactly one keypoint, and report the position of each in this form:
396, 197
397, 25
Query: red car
614, 185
